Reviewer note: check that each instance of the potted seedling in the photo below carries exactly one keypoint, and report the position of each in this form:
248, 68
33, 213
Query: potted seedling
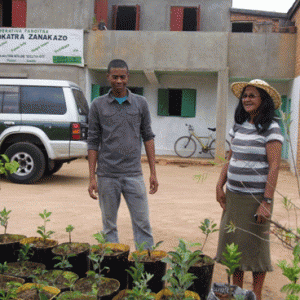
75, 295
42, 246
152, 260
37, 291
95, 282
220, 291
63, 259
62, 279
116, 259
9, 291
203, 269
5, 279
24, 268
77, 254
140, 290
178, 275
9, 243
231, 261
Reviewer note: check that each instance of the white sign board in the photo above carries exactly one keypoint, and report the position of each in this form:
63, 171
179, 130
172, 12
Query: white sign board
41, 46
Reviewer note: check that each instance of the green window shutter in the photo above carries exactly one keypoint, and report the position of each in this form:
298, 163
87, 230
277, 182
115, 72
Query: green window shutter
104, 90
95, 91
163, 102
286, 108
137, 90
188, 106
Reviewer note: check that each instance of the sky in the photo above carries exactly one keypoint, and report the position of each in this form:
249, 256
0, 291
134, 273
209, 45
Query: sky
281, 6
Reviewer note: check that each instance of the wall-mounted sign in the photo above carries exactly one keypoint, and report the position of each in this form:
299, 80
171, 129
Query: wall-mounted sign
41, 46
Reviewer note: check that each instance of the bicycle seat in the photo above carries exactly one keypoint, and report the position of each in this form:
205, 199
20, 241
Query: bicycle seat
212, 129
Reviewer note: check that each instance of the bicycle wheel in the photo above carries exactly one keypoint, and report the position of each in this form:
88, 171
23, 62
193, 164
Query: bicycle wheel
212, 148
185, 146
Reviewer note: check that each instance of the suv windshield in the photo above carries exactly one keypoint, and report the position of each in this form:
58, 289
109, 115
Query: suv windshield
82, 106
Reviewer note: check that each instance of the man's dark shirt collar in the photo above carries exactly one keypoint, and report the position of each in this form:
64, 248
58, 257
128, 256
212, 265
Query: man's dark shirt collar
112, 98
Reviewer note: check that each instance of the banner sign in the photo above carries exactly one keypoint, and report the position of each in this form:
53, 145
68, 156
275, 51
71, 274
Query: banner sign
41, 46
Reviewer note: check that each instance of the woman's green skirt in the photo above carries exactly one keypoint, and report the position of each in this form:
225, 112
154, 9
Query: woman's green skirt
252, 238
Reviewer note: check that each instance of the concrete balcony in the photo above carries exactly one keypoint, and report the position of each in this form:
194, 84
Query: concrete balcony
159, 51
247, 55
266, 55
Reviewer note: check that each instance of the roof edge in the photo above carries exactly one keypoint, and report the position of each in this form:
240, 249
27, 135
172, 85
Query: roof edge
260, 12
293, 9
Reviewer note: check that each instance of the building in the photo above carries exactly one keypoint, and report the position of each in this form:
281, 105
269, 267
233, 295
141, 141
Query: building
244, 20
182, 56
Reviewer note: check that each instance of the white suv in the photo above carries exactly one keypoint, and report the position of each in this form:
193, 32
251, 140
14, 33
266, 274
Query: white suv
43, 124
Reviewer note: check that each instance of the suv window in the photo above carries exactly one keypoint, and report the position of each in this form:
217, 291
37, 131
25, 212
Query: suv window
43, 100
9, 99
82, 106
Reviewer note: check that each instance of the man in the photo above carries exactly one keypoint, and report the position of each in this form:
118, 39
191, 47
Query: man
117, 123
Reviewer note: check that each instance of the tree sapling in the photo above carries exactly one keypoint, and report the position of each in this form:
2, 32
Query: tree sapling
207, 227
140, 279
231, 261
4, 216
63, 259
180, 262
292, 272
42, 229
69, 229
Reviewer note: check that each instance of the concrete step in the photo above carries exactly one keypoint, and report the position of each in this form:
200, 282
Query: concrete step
176, 160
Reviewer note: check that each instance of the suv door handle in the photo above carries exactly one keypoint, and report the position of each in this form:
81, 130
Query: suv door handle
9, 123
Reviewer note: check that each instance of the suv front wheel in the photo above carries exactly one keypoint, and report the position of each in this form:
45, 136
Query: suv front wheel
32, 162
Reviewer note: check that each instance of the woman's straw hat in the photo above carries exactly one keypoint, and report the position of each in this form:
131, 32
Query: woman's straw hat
238, 87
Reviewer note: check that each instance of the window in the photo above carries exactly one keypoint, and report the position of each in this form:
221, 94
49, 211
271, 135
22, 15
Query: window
177, 102
242, 27
5, 13
82, 106
9, 100
98, 90
13, 13
43, 100
126, 17
185, 18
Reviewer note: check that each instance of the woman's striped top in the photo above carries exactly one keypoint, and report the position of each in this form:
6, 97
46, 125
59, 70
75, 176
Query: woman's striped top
248, 167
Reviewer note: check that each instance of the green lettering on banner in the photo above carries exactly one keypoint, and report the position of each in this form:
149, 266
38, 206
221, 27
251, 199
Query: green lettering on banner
66, 59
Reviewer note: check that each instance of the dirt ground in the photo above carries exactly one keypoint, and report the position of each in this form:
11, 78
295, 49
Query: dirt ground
177, 209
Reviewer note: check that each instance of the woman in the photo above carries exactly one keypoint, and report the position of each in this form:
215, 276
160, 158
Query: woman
251, 176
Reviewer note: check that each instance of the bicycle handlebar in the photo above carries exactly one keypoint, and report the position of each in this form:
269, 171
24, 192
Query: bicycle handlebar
191, 128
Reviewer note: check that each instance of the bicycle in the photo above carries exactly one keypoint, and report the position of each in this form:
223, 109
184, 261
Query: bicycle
185, 146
